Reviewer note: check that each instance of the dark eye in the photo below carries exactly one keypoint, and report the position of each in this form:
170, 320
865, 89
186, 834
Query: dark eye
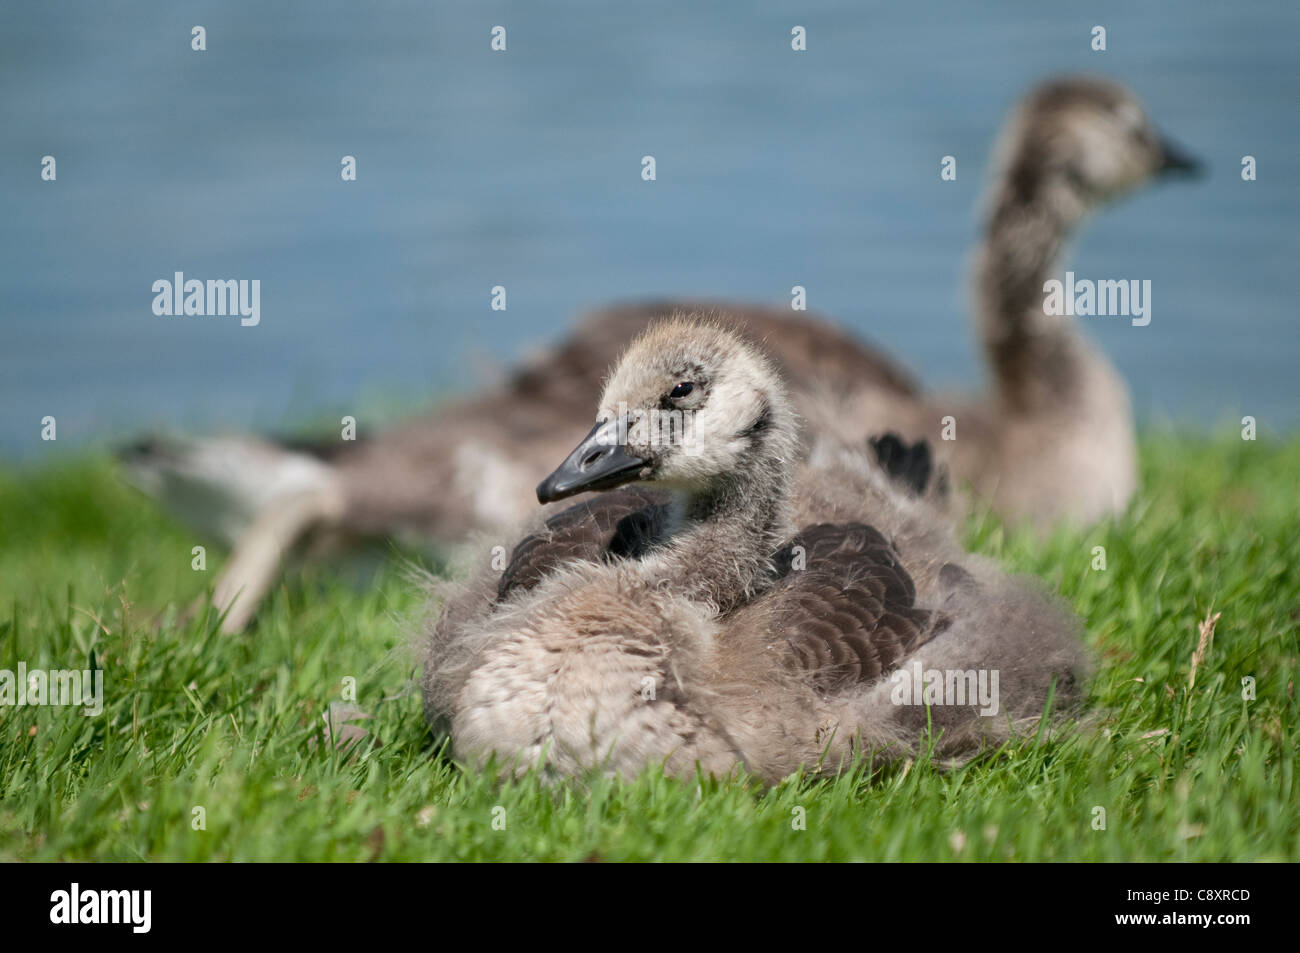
682, 390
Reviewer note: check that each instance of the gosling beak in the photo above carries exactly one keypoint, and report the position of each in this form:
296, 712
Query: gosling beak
600, 462
1174, 161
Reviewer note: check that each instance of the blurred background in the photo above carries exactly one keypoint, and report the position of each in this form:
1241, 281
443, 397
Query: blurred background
522, 169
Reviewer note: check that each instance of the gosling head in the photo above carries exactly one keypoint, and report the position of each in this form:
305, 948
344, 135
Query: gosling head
689, 406
1083, 141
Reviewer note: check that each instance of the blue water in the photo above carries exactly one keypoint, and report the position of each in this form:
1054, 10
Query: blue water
522, 169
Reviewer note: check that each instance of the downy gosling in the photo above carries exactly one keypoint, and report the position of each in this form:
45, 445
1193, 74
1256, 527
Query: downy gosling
682, 617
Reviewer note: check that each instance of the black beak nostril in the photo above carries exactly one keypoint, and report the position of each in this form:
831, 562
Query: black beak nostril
598, 463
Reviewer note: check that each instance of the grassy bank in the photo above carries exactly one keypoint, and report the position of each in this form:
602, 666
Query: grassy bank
199, 727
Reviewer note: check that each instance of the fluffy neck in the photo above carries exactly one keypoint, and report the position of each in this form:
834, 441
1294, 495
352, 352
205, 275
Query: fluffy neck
1035, 358
722, 536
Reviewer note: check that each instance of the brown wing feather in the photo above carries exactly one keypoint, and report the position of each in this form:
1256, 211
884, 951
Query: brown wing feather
621, 523
849, 614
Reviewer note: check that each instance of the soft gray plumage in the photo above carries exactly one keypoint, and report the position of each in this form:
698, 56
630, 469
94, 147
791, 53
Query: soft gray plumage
682, 620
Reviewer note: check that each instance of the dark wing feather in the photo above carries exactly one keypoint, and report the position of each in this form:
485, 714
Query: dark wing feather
845, 606
909, 464
622, 523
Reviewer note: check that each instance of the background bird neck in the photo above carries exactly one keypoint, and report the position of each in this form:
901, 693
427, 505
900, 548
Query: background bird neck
1035, 358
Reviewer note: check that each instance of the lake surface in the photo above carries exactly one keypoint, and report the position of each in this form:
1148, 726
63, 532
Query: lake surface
523, 169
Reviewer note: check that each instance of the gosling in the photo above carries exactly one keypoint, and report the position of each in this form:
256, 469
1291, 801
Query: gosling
680, 618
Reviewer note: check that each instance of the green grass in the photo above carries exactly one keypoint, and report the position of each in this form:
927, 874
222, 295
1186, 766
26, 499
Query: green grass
196, 719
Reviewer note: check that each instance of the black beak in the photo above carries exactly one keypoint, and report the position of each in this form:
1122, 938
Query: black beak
600, 462
1174, 161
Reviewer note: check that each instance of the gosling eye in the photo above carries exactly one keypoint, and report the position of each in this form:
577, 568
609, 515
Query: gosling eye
682, 390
